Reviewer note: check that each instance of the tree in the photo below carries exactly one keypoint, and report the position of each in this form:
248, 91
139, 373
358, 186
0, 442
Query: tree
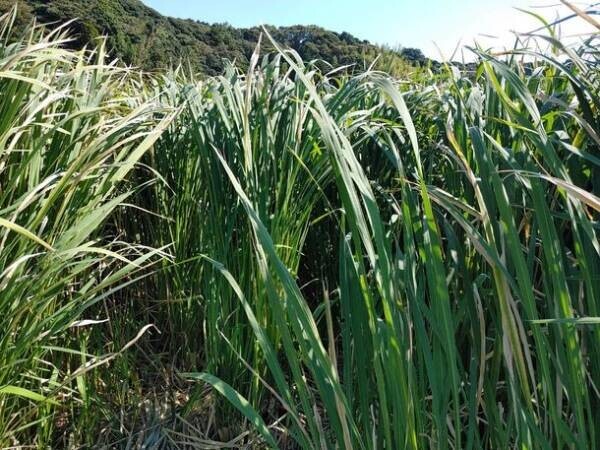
412, 54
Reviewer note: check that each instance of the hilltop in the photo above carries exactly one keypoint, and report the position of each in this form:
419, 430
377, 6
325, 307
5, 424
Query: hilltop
140, 36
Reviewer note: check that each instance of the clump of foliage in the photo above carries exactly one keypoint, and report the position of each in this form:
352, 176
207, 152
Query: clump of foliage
350, 260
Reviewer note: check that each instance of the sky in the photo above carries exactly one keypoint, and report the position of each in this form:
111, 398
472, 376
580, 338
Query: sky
437, 27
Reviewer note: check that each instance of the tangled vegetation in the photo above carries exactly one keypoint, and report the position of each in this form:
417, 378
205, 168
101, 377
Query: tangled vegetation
290, 258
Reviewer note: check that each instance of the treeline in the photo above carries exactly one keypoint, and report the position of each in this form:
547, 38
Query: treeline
140, 36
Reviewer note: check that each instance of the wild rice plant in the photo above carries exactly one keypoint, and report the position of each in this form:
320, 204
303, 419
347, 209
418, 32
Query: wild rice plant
354, 261
71, 128
467, 303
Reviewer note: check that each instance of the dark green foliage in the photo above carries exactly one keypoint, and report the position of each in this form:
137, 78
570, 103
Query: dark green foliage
142, 37
413, 55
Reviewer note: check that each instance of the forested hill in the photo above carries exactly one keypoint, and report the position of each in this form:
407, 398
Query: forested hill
140, 36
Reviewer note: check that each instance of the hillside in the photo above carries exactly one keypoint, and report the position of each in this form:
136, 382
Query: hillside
140, 36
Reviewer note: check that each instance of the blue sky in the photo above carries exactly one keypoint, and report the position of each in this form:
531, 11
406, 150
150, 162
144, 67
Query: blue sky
432, 25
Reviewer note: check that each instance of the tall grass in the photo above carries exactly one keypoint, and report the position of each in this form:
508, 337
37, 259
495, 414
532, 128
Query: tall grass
350, 261
69, 134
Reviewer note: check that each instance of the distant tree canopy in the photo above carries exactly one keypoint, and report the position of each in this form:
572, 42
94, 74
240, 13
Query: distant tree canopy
413, 55
140, 36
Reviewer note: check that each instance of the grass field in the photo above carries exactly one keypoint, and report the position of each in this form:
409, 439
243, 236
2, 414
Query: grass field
293, 259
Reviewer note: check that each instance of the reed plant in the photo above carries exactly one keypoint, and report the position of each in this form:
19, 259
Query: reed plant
332, 260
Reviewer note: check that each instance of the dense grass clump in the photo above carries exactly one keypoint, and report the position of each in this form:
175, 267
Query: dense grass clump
286, 258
